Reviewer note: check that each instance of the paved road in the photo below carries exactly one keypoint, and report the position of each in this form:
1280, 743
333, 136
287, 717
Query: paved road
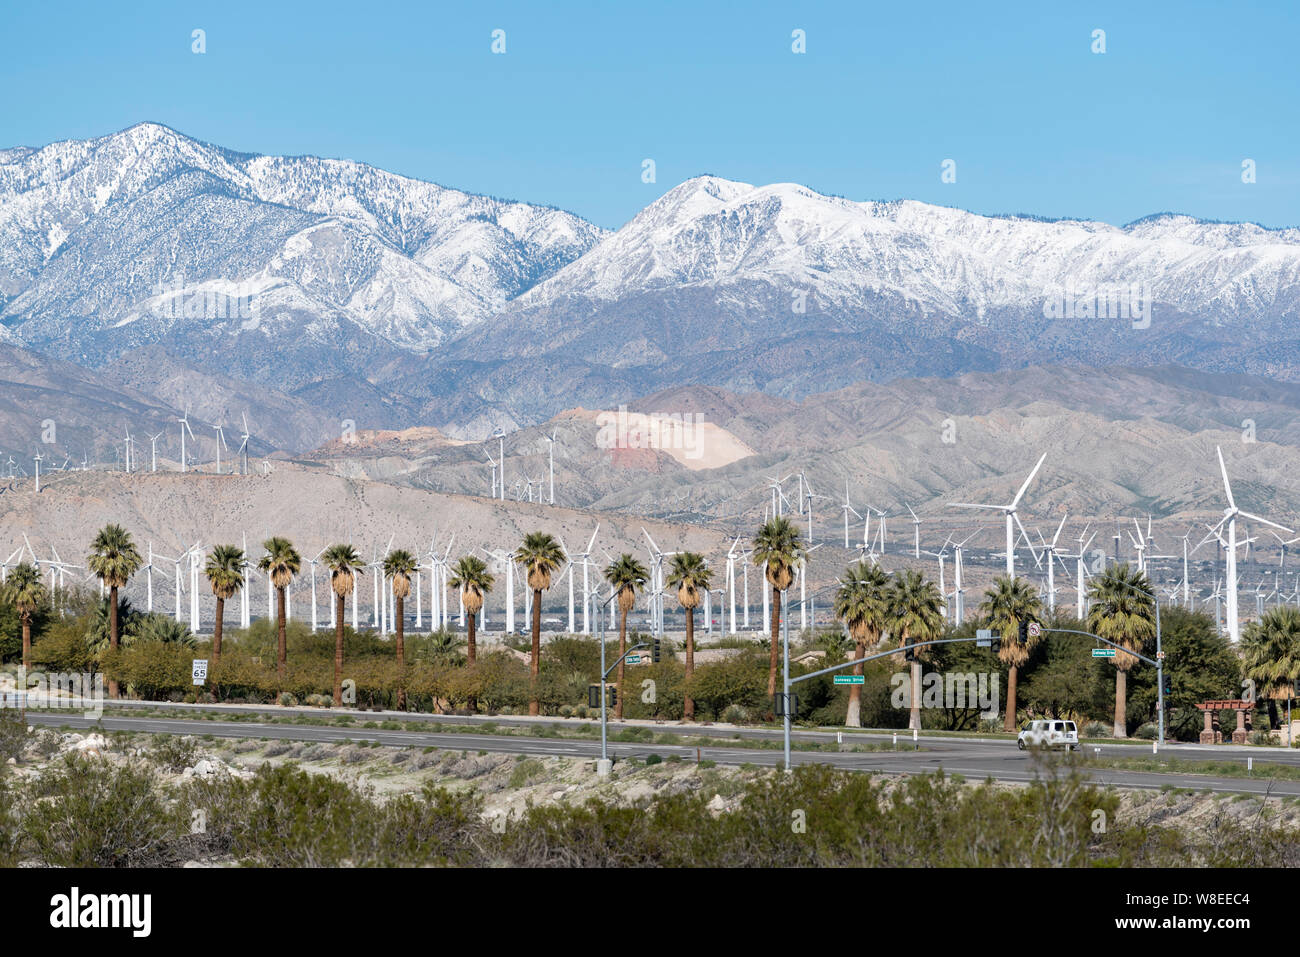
973, 758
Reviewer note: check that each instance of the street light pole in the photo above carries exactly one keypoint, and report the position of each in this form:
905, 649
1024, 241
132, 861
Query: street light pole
604, 766
785, 678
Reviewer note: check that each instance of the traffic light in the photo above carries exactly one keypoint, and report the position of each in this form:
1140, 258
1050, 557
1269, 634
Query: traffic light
593, 695
909, 654
654, 652
779, 702
1023, 636
1169, 684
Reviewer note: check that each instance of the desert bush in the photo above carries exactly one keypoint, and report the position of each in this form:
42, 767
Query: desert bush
173, 754
101, 815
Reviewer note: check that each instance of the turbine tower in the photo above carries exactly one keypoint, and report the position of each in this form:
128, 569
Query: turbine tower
1230, 519
184, 420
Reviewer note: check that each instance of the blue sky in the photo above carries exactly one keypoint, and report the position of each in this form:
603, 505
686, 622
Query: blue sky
1035, 121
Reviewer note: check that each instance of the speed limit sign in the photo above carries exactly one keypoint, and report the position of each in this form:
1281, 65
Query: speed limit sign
200, 670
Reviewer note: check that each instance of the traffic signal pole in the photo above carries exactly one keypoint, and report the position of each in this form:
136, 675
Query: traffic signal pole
603, 767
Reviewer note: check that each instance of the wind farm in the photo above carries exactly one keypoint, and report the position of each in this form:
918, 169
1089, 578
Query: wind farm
578, 437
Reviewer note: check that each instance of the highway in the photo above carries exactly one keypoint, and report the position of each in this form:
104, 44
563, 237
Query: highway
973, 758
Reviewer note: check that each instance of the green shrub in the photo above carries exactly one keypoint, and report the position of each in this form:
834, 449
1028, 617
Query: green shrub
101, 815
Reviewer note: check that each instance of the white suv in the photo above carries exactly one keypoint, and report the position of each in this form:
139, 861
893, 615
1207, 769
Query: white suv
1052, 734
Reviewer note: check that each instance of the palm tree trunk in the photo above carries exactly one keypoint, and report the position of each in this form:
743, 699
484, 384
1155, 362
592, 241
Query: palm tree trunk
1009, 723
401, 654
216, 638
471, 653
622, 650
535, 667
853, 719
113, 691
27, 640
282, 645
216, 631
776, 638
1121, 703
338, 650
688, 711
1272, 714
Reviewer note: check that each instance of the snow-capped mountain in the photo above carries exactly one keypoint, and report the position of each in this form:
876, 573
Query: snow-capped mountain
784, 290
329, 280
270, 267
938, 261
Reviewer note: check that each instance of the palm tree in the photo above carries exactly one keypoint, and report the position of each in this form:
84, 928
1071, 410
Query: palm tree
1007, 603
113, 559
225, 571
1270, 651
915, 614
862, 603
399, 565
283, 562
690, 575
26, 590
470, 574
626, 576
345, 565
1123, 612
541, 555
778, 547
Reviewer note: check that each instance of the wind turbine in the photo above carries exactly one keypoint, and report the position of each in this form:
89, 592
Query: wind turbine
493, 464
551, 440
153, 451
37, 460
501, 461
1012, 519
585, 556
1230, 518
242, 452
916, 533
1283, 543
846, 508
959, 593
221, 443
1049, 548
184, 420
940, 555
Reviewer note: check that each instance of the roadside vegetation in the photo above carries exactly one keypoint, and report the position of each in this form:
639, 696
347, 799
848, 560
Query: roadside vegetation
730, 679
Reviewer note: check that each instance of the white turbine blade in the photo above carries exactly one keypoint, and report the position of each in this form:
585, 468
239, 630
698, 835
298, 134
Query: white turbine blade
1016, 501
1016, 515
995, 508
1256, 518
1058, 529
1226, 487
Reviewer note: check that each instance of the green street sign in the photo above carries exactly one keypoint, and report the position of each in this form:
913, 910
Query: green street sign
633, 659
1103, 652
849, 679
